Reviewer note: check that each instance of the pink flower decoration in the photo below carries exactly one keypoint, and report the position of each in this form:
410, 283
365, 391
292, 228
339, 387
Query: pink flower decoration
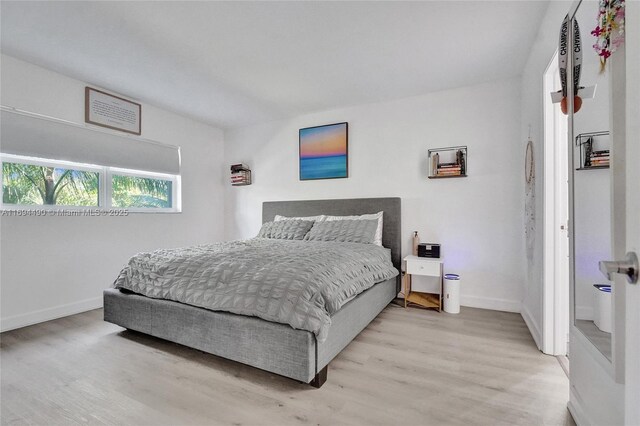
609, 31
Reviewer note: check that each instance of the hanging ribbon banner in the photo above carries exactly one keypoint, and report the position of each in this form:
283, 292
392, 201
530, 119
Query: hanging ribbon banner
563, 56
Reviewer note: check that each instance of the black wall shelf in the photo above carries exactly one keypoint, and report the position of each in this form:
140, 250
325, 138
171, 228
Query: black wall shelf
240, 175
593, 150
449, 162
446, 177
591, 168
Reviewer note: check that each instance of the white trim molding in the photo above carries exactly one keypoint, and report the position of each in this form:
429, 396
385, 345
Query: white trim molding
491, 303
532, 326
35, 317
576, 410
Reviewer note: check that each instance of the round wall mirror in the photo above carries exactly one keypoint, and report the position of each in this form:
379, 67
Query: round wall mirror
529, 166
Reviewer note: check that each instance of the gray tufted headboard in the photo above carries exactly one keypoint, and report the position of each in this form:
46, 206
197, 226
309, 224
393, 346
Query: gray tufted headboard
391, 229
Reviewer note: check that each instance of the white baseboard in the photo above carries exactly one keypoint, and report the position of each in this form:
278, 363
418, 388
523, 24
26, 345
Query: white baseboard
30, 318
576, 410
486, 303
491, 303
533, 327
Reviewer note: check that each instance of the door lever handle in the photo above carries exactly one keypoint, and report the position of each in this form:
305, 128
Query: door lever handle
628, 267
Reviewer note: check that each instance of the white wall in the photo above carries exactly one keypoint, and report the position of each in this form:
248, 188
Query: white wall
478, 219
531, 109
56, 266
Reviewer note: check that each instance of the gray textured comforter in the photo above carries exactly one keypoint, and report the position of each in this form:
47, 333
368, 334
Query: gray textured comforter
300, 283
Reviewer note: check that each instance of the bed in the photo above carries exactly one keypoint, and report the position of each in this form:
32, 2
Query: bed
275, 347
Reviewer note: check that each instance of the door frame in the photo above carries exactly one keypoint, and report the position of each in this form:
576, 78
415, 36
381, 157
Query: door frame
555, 292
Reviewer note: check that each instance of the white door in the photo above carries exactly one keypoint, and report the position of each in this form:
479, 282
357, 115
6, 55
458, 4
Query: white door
632, 341
605, 225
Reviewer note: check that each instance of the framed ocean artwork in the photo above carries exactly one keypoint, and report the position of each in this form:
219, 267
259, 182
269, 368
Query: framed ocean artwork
323, 152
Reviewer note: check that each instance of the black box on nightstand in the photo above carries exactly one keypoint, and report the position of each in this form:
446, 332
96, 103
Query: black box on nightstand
429, 250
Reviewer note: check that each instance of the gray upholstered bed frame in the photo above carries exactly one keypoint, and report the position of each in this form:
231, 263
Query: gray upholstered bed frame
270, 346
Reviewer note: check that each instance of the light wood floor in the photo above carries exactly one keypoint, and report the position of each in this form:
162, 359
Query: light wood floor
408, 367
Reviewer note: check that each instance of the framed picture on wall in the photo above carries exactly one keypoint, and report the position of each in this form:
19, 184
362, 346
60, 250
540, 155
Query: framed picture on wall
324, 152
106, 110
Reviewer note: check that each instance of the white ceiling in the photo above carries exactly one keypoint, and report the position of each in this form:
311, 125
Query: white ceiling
236, 63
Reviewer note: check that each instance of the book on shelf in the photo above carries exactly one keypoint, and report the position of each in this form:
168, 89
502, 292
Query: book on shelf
240, 174
448, 169
239, 167
598, 158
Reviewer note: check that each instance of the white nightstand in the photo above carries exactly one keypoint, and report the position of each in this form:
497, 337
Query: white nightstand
428, 267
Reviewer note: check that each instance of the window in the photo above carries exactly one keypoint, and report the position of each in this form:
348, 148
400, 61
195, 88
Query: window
35, 182
140, 191
32, 182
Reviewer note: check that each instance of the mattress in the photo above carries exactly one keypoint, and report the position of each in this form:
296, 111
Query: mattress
297, 283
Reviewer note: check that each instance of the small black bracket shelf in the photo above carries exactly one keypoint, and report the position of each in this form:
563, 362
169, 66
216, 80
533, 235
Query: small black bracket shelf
450, 162
240, 175
592, 168
446, 177
594, 150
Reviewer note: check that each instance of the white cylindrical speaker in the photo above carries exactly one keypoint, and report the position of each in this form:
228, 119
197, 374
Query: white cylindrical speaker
602, 317
451, 293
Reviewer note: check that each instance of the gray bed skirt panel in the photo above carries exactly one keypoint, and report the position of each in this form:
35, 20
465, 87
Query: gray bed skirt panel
274, 347
270, 346
354, 317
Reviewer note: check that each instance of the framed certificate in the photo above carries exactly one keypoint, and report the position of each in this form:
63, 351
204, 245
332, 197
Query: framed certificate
113, 112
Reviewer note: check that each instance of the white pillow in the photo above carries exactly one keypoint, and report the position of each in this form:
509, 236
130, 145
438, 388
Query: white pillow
318, 218
378, 237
